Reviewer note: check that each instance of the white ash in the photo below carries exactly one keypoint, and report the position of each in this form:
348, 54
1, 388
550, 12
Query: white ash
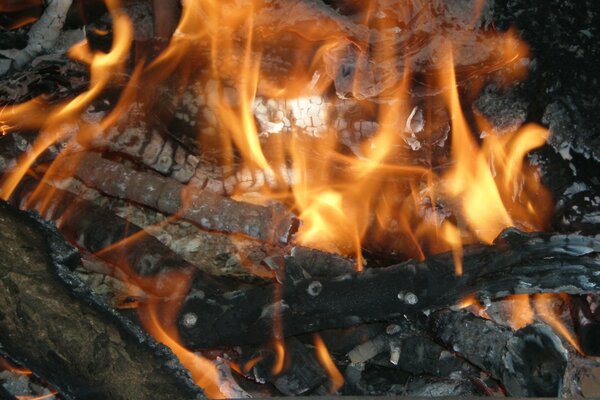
21, 386
43, 35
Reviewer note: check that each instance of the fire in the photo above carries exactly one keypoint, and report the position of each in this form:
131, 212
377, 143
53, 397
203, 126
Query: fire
544, 305
55, 124
520, 313
158, 314
5, 365
335, 376
382, 181
521, 310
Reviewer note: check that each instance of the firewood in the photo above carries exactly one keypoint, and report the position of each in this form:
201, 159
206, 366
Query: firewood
61, 331
529, 362
517, 263
270, 223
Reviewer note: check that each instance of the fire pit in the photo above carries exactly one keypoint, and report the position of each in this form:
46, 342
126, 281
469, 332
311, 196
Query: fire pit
261, 198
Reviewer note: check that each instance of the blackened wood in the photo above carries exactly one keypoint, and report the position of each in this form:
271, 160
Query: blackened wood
114, 239
517, 263
52, 324
272, 223
561, 94
529, 362
587, 325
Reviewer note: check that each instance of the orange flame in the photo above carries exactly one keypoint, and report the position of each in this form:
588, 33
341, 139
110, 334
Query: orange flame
55, 124
350, 192
46, 396
543, 303
472, 303
5, 365
335, 376
520, 313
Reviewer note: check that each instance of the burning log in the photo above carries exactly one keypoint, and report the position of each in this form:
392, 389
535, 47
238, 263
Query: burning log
529, 362
93, 352
210, 211
587, 323
518, 263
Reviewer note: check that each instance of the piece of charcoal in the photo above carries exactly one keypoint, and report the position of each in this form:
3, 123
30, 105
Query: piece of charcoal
437, 387
301, 371
528, 362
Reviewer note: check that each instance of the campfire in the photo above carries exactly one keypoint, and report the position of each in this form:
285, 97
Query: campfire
254, 198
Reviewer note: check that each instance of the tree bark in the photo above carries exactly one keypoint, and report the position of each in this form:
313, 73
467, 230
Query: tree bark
50, 322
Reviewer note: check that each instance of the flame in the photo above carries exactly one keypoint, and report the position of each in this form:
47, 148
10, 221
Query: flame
20, 13
472, 303
335, 376
380, 187
5, 365
279, 358
544, 303
46, 396
158, 316
54, 123
372, 197
519, 313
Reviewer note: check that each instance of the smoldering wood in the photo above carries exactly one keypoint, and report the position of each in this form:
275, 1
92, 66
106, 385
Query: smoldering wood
99, 231
421, 355
301, 372
271, 223
42, 35
562, 96
586, 323
517, 263
56, 327
529, 362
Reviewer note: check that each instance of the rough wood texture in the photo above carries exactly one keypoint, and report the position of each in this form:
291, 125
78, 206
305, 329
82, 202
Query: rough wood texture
529, 362
271, 223
518, 263
63, 333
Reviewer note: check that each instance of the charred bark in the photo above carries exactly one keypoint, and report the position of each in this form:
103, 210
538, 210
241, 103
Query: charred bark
517, 263
529, 362
272, 223
51, 323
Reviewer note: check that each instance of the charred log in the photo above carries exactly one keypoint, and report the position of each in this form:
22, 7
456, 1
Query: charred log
529, 362
61, 331
210, 211
586, 323
517, 263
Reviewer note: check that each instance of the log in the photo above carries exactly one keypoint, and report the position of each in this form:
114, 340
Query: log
529, 362
99, 231
270, 223
517, 263
52, 324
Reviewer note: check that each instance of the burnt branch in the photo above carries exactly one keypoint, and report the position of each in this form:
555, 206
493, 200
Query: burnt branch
56, 327
271, 223
517, 263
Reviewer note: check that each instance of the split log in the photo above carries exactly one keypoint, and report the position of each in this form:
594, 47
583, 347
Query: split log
517, 263
52, 324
